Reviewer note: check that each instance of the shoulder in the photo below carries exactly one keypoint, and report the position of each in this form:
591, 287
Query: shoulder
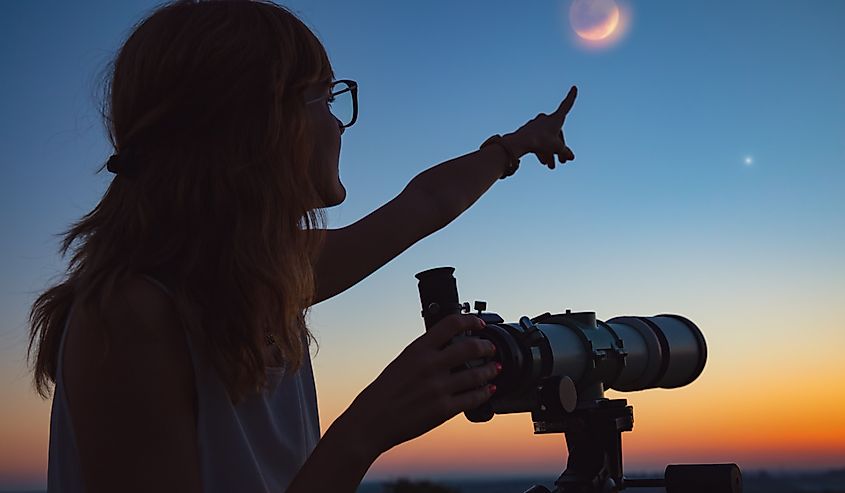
133, 320
129, 383
135, 334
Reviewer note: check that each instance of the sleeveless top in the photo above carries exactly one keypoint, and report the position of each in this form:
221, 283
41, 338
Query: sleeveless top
256, 446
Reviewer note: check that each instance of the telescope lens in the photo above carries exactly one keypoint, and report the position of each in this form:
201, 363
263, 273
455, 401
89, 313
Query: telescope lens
664, 351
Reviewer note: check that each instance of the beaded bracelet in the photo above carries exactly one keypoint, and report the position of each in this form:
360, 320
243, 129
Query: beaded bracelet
513, 165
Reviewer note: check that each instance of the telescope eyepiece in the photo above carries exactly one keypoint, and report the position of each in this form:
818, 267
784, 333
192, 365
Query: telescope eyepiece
438, 294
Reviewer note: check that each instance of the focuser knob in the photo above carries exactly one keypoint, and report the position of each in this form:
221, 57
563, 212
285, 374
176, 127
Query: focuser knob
527, 325
530, 333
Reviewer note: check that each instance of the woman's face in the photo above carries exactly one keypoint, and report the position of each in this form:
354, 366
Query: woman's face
326, 130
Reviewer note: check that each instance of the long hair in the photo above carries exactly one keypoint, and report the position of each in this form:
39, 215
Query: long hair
206, 99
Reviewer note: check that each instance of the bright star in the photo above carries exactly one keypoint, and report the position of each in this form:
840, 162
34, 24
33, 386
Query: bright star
748, 160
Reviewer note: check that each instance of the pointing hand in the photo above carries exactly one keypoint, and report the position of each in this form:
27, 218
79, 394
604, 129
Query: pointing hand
543, 135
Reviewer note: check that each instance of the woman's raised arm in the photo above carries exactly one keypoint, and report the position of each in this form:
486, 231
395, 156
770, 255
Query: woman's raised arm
432, 199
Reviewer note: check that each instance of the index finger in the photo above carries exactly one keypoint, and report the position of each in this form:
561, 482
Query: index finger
567, 103
443, 331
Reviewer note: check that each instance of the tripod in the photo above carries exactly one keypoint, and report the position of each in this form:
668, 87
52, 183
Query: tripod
594, 440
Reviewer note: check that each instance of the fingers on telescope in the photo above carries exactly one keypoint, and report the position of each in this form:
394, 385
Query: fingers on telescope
471, 378
466, 349
443, 331
472, 398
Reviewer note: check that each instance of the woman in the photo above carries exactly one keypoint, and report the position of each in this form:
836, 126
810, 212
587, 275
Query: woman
177, 342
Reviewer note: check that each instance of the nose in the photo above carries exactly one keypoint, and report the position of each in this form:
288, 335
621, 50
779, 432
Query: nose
340, 125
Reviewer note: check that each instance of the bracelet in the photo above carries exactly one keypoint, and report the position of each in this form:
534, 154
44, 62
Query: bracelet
513, 165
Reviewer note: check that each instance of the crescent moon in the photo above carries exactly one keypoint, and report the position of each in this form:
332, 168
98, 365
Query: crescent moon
602, 30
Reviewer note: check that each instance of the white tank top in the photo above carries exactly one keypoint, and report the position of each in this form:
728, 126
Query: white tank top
257, 445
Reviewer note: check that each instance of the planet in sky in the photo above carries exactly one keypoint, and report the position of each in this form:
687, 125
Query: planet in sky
594, 20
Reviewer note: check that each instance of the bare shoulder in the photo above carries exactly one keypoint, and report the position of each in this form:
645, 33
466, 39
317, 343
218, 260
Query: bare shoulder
137, 328
132, 394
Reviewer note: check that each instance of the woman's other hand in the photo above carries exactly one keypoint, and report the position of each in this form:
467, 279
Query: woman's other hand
543, 135
418, 391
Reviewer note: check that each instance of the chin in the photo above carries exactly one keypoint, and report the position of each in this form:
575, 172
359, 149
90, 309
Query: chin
336, 197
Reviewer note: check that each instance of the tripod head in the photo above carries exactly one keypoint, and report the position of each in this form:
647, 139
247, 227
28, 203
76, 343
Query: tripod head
557, 367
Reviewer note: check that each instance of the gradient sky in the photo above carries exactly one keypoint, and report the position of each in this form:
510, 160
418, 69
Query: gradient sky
659, 213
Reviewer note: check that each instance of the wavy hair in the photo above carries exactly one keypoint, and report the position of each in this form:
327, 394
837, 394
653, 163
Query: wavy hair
207, 99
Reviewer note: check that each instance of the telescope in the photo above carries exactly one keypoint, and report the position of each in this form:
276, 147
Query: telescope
558, 366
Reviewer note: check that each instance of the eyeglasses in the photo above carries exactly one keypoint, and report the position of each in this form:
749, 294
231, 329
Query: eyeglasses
343, 101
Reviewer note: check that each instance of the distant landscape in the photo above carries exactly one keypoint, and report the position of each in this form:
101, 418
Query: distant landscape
753, 482
832, 481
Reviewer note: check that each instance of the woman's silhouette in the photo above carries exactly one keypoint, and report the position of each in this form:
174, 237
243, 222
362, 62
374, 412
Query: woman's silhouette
177, 342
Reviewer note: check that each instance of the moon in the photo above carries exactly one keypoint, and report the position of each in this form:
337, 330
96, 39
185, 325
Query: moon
594, 20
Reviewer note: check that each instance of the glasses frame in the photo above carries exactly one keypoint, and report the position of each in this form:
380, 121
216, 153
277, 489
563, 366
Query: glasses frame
352, 87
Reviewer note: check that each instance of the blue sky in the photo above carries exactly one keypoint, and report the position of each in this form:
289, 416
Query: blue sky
659, 212
665, 118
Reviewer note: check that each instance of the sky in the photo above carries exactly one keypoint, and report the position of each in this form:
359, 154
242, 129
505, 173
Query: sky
710, 163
